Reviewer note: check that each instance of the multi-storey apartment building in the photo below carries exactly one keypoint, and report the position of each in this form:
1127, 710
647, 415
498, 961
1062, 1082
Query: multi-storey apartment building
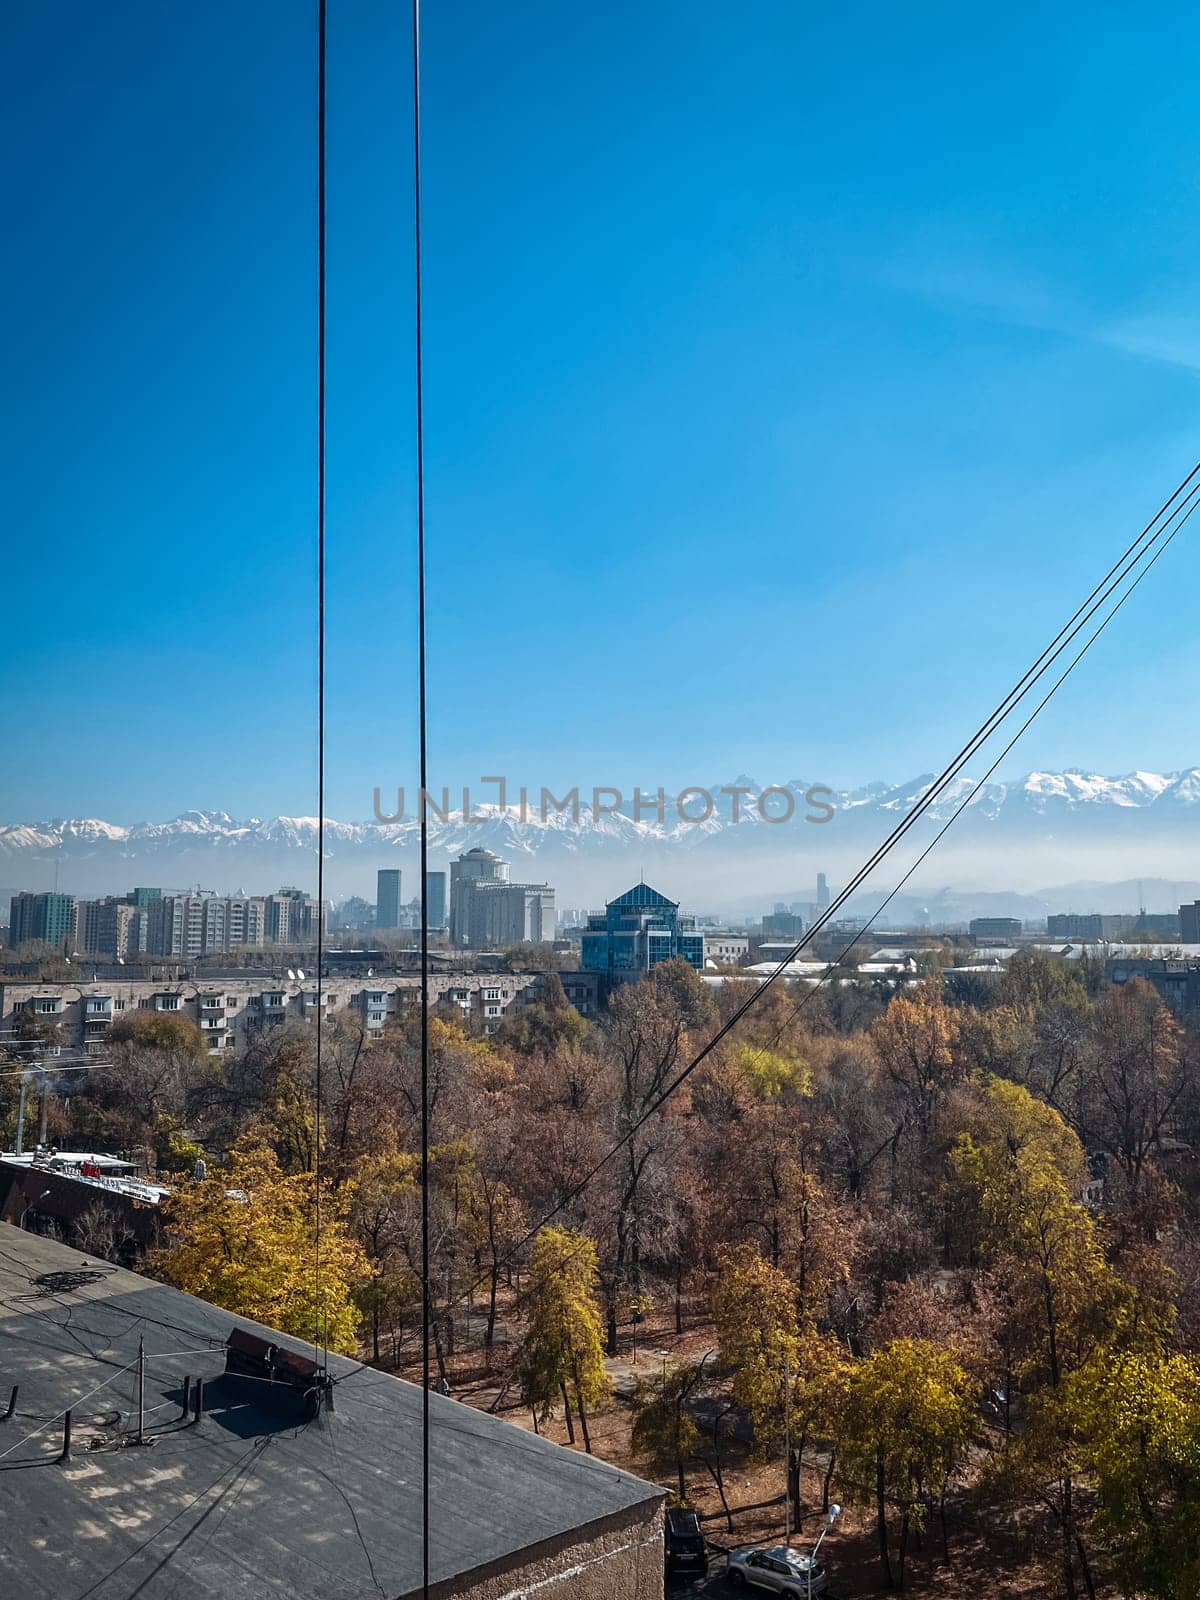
494, 915
291, 917
194, 925
109, 927
190, 925
46, 917
231, 1011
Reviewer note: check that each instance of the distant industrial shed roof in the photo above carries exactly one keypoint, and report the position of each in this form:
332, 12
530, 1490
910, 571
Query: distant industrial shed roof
254, 1501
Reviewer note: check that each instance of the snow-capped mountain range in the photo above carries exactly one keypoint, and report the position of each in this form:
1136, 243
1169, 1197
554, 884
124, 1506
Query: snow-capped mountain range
1009, 837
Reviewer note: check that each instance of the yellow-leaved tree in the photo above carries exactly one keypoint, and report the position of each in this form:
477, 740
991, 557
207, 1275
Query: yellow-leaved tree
1136, 1418
754, 1307
663, 1427
778, 1074
1018, 1169
244, 1238
909, 1419
563, 1350
790, 1377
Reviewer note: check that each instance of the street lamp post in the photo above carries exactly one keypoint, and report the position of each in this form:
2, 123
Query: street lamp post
831, 1517
787, 1449
30, 1206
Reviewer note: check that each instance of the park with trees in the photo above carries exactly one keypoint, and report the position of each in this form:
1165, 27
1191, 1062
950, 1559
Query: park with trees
935, 1258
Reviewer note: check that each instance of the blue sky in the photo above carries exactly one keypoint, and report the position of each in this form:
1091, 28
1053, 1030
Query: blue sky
791, 375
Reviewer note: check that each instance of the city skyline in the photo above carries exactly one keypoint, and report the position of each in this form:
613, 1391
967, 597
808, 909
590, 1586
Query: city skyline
1038, 837
823, 341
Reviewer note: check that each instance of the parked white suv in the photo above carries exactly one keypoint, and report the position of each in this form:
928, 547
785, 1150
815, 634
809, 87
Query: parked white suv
779, 1570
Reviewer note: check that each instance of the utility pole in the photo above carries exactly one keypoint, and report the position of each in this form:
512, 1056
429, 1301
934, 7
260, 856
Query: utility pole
45, 1089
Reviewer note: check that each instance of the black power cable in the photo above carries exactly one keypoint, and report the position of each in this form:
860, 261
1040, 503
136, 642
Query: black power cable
320, 1330
423, 780
971, 795
1133, 557
1070, 631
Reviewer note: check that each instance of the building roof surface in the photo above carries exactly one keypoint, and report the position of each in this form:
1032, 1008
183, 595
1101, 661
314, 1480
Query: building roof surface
110, 1175
642, 896
254, 1502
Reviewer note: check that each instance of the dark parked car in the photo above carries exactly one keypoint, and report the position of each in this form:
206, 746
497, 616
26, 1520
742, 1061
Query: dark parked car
686, 1555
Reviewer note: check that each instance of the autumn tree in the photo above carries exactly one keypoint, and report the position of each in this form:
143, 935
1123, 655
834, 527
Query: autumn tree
168, 1032
645, 1040
1002, 1122
909, 1419
754, 1307
860, 1125
244, 1238
998, 1040
1034, 981
1037, 1468
563, 1351
158, 1080
663, 1429
776, 1199
271, 1084
954, 1310
356, 1093
498, 1216
30, 1038
1137, 1419
773, 1075
1018, 1168
787, 1375
563, 1128
914, 1042
549, 1025
453, 1055
384, 1201
819, 1386
1133, 1080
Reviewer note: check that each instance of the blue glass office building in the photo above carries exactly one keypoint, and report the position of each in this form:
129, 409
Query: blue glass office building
637, 931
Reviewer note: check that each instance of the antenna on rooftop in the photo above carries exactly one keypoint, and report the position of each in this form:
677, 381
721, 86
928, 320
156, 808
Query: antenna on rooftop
141, 1427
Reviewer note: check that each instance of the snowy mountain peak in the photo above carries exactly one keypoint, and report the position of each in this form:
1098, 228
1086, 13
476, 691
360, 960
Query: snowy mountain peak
1071, 812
